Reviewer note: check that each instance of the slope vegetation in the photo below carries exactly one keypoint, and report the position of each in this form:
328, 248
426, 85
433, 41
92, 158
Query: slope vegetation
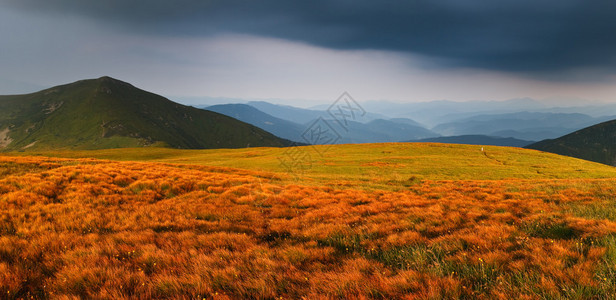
108, 113
383, 165
595, 143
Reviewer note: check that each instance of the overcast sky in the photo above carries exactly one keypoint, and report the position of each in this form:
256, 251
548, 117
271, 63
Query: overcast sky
309, 52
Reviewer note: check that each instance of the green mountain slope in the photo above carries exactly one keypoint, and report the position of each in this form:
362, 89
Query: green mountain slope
595, 143
108, 113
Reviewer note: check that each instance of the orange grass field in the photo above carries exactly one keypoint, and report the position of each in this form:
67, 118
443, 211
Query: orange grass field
102, 229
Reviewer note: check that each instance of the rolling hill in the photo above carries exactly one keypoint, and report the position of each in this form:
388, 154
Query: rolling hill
108, 113
595, 143
370, 221
370, 164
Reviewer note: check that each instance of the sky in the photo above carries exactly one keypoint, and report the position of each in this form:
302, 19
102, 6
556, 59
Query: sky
308, 52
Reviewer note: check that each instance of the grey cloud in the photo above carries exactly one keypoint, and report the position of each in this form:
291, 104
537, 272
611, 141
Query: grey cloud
549, 39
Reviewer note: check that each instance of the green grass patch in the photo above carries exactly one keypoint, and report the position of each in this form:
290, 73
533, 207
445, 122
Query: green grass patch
549, 228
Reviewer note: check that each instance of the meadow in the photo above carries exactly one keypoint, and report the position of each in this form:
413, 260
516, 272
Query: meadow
382, 221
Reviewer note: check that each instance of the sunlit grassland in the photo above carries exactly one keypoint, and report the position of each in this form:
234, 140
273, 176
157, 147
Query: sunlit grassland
383, 221
396, 164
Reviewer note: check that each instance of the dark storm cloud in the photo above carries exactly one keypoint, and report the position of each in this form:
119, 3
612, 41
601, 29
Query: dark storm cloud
550, 38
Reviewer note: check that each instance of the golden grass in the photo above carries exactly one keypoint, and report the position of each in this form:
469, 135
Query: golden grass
106, 229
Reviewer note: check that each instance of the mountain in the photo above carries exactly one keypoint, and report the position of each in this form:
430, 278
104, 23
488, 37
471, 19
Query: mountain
375, 131
593, 109
406, 121
434, 112
476, 140
521, 125
378, 131
285, 112
305, 116
249, 114
595, 143
108, 113
392, 131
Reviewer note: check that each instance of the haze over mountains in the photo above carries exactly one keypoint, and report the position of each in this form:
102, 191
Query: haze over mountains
517, 122
108, 113
533, 126
371, 131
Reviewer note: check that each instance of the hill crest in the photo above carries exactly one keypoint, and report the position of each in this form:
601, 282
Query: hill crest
109, 113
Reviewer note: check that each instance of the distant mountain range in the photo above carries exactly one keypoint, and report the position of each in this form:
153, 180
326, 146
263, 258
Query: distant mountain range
442, 111
108, 113
249, 114
595, 143
372, 131
521, 125
293, 114
476, 140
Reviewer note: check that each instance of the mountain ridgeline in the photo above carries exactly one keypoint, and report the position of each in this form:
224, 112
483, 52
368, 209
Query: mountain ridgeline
287, 126
107, 113
476, 140
595, 143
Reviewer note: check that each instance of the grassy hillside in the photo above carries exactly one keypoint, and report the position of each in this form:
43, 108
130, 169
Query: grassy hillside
382, 165
91, 228
595, 143
108, 113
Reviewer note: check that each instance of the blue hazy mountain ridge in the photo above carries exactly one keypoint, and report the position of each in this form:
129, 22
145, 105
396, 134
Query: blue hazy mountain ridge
433, 113
251, 115
475, 122
382, 131
406, 121
476, 140
521, 125
591, 110
285, 112
374, 131
303, 115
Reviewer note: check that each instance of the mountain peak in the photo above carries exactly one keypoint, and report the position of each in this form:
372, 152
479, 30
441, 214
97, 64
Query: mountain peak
109, 113
111, 80
107, 79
